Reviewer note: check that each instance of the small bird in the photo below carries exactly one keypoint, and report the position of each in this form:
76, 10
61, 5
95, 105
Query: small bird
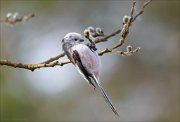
86, 61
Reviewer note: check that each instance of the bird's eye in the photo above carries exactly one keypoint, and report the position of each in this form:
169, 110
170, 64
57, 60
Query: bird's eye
75, 39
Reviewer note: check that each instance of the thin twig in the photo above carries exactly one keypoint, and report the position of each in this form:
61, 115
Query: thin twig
15, 18
53, 58
142, 10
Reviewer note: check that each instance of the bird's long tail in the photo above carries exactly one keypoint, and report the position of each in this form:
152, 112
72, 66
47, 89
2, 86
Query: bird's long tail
105, 95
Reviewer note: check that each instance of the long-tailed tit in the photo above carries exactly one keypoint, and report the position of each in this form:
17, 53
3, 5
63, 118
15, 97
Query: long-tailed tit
86, 61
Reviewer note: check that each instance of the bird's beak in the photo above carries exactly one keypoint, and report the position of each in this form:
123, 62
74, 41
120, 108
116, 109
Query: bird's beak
81, 40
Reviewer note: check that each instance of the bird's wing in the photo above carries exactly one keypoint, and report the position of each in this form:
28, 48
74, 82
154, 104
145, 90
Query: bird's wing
89, 59
88, 65
83, 71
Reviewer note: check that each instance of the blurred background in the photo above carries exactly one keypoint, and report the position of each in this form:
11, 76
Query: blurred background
143, 87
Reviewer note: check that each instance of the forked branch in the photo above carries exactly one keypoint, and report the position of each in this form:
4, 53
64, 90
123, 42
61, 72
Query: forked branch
94, 35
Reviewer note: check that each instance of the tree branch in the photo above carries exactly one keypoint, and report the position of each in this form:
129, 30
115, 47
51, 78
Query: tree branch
32, 67
94, 36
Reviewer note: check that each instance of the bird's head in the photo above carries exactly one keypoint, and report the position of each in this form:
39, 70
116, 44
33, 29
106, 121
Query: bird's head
71, 39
